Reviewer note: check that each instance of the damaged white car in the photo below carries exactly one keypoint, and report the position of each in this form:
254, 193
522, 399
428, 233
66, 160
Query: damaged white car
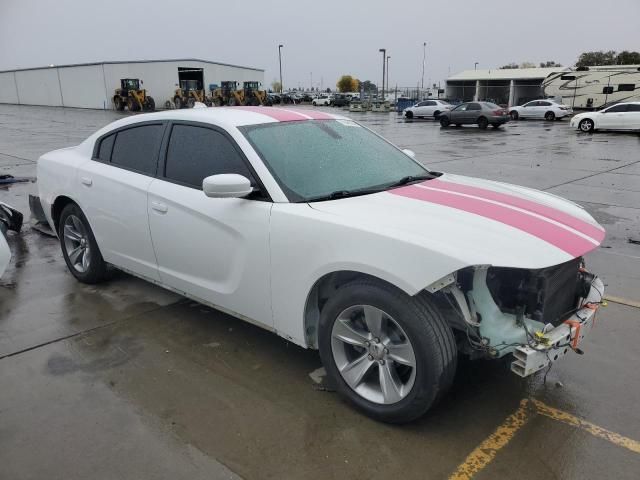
312, 226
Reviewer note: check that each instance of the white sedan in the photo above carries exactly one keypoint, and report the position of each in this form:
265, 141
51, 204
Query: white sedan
312, 226
547, 109
427, 108
622, 116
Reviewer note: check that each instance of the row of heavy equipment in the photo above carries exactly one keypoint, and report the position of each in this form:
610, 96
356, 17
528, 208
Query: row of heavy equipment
135, 98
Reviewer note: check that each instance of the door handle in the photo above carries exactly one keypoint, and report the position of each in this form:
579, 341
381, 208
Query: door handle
159, 207
86, 181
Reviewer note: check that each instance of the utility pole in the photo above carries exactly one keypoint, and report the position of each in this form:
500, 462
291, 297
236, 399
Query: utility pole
311, 74
424, 58
475, 66
384, 54
280, 61
388, 57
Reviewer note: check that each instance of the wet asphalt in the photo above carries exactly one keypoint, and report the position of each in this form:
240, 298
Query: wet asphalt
126, 380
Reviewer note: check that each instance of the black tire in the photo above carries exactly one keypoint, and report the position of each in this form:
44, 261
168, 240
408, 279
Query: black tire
458, 125
149, 104
445, 122
514, 115
409, 114
483, 123
191, 102
97, 270
232, 102
586, 125
132, 105
426, 329
177, 101
436, 114
550, 116
118, 103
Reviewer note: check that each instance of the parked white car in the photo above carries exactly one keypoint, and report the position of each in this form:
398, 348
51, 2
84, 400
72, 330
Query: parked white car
427, 108
622, 116
322, 100
314, 227
545, 108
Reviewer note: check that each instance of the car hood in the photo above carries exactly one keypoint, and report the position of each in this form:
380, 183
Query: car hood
476, 222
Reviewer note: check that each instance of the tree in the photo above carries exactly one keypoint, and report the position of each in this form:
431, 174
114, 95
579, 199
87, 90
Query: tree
275, 86
628, 58
346, 83
509, 66
527, 65
589, 59
548, 64
369, 86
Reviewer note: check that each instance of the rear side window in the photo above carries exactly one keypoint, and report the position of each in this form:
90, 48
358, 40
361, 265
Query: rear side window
194, 153
626, 87
137, 148
474, 106
104, 150
544, 104
618, 108
633, 107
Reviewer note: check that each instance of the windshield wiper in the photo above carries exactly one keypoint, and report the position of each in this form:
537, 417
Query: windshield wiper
343, 194
410, 179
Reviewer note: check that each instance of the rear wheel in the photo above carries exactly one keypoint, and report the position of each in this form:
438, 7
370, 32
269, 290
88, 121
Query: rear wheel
390, 355
79, 247
483, 123
436, 114
190, 102
550, 116
586, 125
149, 104
178, 102
132, 104
514, 115
118, 104
444, 121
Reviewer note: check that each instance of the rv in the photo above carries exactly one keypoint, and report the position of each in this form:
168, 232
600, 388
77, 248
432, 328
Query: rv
593, 87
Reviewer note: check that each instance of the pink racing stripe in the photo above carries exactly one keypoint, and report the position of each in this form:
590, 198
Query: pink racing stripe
275, 113
318, 115
561, 217
557, 236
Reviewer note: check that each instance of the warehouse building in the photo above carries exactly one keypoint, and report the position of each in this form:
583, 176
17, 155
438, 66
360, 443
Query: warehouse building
513, 86
92, 85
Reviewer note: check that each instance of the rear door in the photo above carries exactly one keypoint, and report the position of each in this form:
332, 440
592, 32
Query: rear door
473, 112
214, 249
632, 117
543, 108
113, 195
613, 118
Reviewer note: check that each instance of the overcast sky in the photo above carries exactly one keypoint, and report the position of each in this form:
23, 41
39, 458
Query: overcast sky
324, 38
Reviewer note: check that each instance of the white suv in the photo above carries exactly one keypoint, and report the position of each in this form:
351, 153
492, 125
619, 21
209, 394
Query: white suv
321, 100
427, 108
547, 109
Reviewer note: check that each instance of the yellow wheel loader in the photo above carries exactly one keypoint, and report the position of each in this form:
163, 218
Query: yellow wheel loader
133, 97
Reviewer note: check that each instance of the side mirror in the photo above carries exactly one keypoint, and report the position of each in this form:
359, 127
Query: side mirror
226, 185
409, 153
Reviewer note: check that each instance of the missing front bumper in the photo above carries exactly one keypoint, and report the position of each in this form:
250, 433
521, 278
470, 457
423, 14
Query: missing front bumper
561, 340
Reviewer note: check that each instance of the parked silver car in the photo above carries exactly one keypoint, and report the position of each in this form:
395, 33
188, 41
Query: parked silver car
482, 114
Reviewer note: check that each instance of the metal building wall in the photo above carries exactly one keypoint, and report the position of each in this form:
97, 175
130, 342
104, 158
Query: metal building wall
92, 86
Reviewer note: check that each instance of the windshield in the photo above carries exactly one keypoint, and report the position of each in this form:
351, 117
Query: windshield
313, 159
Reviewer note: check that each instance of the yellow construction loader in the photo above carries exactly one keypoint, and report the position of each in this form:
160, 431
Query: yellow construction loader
187, 94
133, 97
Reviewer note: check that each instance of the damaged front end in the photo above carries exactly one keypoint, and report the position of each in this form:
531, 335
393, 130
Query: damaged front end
536, 315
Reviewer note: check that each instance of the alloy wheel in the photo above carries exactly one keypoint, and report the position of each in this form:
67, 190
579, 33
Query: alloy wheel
76, 244
373, 354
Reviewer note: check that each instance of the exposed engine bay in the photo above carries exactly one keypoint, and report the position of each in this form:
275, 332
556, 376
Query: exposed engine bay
511, 310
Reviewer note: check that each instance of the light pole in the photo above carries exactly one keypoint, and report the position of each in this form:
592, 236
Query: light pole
424, 57
384, 54
475, 66
388, 57
280, 61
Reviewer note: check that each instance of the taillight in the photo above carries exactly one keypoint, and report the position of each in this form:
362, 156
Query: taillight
498, 112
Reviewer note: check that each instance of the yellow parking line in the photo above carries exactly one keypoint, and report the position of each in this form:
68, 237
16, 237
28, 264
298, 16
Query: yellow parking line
623, 301
589, 427
487, 450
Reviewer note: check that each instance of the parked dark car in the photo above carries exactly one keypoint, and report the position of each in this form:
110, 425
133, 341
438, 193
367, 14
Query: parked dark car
340, 100
482, 114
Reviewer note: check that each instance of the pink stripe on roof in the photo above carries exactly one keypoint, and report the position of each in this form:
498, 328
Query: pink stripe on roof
559, 216
555, 235
275, 113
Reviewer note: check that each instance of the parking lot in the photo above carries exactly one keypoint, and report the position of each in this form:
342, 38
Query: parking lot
126, 379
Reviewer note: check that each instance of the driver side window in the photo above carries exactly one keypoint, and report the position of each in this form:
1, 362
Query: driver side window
195, 153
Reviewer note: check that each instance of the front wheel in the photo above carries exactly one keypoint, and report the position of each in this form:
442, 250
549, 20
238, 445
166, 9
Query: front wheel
444, 121
514, 115
408, 114
586, 125
79, 247
483, 123
177, 101
390, 355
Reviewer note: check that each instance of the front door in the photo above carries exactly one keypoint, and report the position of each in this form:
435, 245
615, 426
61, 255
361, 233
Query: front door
214, 249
